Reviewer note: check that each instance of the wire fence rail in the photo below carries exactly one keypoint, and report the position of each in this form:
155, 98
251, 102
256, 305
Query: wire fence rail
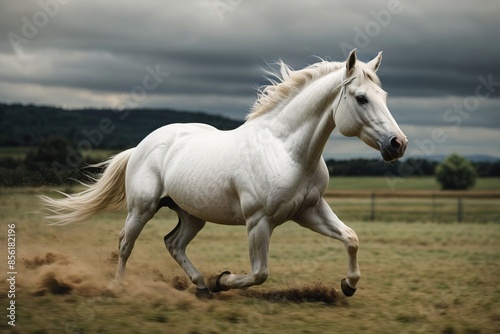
417, 205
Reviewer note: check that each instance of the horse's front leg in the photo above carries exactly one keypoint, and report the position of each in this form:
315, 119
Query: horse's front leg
321, 219
259, 235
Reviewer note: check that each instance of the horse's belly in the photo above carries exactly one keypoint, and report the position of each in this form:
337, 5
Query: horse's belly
214, 212
208, 200
201, 184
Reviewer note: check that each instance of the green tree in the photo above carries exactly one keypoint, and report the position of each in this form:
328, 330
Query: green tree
456, 173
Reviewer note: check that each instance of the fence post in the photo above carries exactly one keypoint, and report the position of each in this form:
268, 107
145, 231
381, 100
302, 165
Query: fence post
433, 206
372, 207
460, 210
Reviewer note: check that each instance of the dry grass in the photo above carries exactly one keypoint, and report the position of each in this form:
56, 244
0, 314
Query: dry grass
417, 278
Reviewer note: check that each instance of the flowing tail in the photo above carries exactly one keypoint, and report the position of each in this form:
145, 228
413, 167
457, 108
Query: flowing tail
106, 194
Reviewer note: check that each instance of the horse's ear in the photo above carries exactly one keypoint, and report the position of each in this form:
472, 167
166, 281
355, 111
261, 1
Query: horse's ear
350, 63
375, 62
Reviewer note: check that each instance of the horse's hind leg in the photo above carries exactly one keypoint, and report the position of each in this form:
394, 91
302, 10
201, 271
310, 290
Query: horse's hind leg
259, 234
142, 203
136, 219
176, 242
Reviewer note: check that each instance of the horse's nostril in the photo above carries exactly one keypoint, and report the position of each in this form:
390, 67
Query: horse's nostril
395, 144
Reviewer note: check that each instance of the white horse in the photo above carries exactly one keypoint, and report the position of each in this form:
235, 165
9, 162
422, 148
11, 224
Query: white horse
267, 171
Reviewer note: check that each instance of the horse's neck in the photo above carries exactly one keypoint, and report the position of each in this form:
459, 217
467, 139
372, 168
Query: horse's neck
306, 122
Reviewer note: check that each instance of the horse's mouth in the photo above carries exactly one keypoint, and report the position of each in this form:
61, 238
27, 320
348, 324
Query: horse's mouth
393, 149
386, 155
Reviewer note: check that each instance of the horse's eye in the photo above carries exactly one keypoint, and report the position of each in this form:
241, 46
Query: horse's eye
361, 99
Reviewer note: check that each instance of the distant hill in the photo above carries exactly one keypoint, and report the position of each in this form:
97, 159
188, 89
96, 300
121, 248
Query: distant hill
28, 125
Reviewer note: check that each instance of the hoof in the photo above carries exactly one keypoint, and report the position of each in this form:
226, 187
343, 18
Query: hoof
107, 292
203, 293
114, 288
214, 282
346, 289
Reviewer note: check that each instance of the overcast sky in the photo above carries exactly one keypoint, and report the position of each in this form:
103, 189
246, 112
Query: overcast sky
441, 60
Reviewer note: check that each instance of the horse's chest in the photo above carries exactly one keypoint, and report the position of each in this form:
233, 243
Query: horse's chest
285, 205
279, 197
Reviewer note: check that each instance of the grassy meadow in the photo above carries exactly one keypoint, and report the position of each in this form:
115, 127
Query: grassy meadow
416, 278
19, 153
401, 183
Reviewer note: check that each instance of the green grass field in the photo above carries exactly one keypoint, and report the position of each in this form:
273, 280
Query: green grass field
408, 183
416, 278
19, 153
414, 199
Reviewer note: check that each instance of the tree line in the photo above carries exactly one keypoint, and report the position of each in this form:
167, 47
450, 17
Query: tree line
29, 125
412, 166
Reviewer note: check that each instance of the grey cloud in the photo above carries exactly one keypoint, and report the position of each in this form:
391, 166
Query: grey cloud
430, 51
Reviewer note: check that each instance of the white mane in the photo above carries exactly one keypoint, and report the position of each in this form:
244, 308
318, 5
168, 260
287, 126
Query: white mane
288, 83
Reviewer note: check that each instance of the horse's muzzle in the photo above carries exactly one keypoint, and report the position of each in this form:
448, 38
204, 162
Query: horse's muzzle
394, 148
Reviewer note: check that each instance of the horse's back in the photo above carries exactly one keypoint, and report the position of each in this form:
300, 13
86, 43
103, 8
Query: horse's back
146, 164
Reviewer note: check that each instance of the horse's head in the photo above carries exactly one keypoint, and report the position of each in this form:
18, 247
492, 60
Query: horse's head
361, 110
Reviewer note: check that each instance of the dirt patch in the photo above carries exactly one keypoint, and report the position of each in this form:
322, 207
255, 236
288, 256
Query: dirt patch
158, 276
70, 278
180, 283
56, 274
49, 258
113, 257
316, 292
60, 274
52, 284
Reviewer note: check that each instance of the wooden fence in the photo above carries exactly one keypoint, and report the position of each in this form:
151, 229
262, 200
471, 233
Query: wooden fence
412, 206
